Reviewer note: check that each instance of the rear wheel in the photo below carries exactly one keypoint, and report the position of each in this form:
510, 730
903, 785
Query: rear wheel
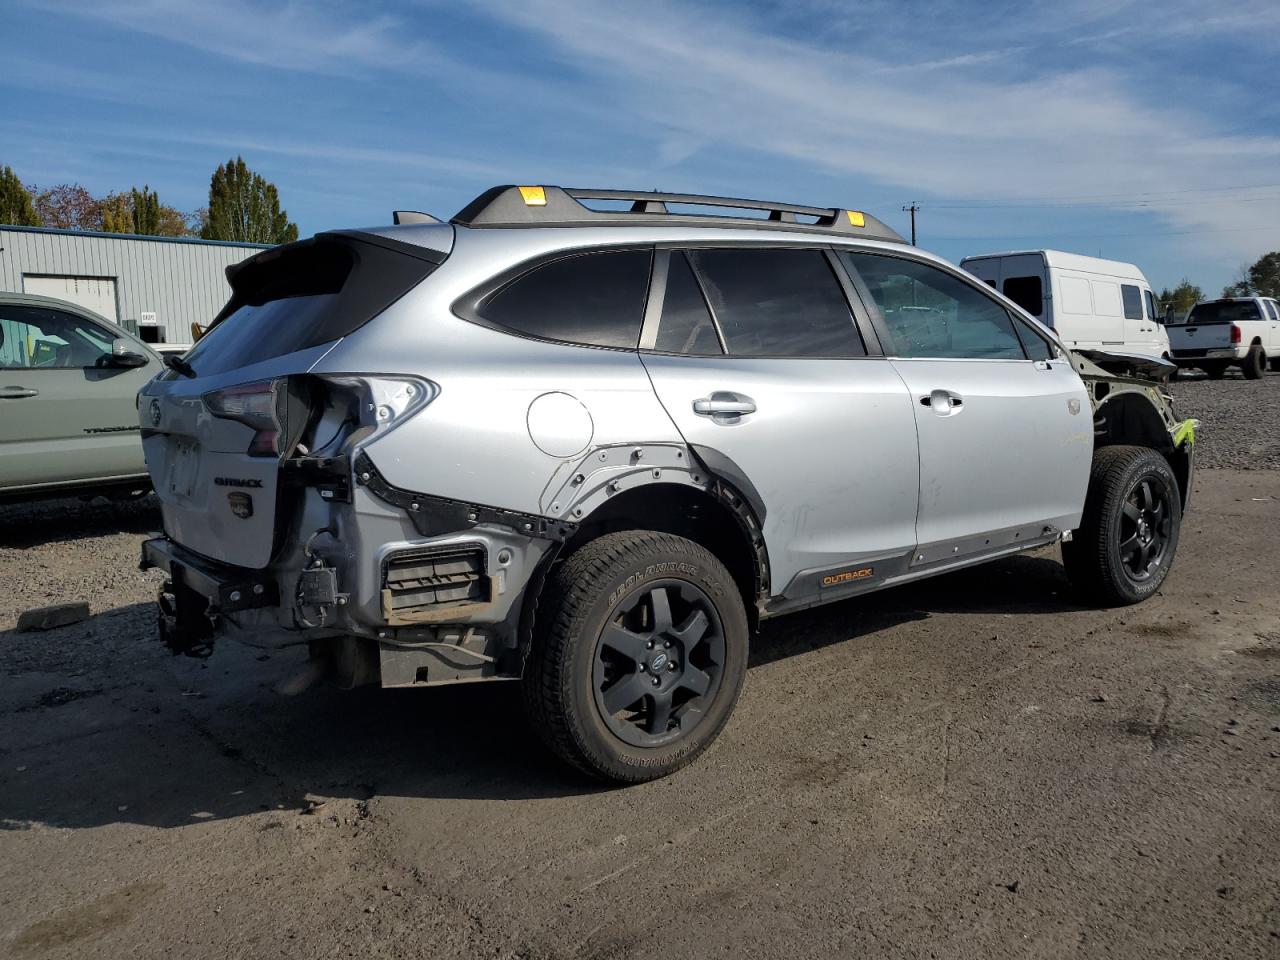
1255, 362
642, 656
1216, 371
1129, 531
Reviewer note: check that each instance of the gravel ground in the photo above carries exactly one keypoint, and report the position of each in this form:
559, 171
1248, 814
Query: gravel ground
973, 766
1240, 419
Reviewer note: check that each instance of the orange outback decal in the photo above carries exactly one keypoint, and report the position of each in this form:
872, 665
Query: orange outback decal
847, 576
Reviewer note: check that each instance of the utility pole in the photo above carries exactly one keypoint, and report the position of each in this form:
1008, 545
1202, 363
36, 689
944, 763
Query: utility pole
912, 210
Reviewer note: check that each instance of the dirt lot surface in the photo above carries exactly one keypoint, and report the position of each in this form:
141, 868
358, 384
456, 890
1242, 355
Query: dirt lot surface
1241, 418
974, 766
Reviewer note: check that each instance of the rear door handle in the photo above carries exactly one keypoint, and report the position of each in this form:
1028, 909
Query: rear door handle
17, 393
943, 402
723, 405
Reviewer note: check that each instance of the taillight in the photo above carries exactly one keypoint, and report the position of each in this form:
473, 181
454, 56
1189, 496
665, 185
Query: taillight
1235, 334
260, 405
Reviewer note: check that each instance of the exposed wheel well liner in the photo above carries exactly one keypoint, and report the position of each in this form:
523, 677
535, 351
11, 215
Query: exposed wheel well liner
1130, 419
718, 518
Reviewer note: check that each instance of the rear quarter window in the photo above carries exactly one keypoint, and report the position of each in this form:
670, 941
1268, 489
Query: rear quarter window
591, 299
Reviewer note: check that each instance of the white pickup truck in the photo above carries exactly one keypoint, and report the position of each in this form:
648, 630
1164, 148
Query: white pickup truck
1239, 332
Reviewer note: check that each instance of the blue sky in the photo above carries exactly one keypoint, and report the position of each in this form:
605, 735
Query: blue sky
1135, 130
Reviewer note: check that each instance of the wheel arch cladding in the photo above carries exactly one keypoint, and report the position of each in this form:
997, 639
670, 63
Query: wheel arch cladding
716, 517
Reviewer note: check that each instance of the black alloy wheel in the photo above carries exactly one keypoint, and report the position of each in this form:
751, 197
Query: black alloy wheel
1146, 522
658, 661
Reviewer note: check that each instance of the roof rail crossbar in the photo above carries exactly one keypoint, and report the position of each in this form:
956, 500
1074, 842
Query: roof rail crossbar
545, 206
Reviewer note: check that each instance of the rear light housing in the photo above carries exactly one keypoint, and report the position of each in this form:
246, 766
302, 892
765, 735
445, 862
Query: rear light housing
261, 405
1235, 334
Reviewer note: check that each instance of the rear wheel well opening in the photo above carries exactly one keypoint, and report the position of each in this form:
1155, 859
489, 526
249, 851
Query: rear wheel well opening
695, 514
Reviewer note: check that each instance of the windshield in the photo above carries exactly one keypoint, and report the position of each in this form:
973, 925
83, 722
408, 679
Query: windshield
1224, 311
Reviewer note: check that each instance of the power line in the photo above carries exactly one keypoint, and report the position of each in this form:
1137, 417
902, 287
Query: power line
1132, 196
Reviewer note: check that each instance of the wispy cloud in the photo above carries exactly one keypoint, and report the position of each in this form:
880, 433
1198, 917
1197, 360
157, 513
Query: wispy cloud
320, 37
735, 83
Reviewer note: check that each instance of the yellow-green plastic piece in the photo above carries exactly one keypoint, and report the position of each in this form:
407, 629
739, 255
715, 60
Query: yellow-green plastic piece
1185, 432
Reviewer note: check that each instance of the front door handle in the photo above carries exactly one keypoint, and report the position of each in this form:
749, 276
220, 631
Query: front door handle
944, 402
17, 393
724, 406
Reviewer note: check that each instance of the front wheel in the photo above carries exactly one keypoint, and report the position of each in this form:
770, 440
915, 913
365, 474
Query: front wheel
1129, 531
641, 656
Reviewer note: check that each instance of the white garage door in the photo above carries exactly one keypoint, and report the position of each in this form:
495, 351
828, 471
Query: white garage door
93, 293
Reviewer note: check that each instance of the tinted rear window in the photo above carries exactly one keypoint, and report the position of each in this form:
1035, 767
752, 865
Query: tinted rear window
300, 296
778, 303
1026, 292
1224, 311
596, 299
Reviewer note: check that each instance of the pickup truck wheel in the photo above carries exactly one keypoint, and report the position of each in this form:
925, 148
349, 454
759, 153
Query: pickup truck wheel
1275, 364
1255, 362
1216, 371
1129, 531
641, 658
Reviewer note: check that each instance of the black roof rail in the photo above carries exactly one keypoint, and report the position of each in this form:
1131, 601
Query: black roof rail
546, 206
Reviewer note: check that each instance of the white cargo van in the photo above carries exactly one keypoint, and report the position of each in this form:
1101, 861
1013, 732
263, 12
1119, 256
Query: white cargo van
1094, 304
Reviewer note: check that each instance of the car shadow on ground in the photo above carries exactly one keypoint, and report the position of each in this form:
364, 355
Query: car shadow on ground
25, 525
166, 741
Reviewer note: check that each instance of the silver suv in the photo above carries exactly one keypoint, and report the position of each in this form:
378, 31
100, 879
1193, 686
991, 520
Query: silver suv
589, 439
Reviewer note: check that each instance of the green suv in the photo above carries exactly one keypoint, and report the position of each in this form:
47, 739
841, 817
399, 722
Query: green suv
69, 382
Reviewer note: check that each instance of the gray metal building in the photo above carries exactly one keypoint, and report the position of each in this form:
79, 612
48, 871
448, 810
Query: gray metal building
147, 282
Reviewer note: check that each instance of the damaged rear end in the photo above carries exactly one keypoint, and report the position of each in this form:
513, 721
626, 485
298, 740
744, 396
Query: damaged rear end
277, 526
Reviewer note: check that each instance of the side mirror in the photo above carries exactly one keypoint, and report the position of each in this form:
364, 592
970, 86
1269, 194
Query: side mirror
123, 354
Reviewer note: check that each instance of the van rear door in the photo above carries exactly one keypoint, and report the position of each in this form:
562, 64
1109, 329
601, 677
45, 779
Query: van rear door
1022, 280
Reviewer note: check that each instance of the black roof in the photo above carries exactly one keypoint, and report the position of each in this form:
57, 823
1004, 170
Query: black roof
546, 206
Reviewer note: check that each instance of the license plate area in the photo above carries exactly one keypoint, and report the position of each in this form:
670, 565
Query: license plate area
184, 467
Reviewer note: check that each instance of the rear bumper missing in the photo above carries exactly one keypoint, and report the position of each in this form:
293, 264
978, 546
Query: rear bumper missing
225, 588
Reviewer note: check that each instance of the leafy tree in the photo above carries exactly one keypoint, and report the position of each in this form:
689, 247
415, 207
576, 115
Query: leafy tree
117, 216
172, 222
1181, 298
1259, 279
245, 207
69, 206
1264, 275
15, 201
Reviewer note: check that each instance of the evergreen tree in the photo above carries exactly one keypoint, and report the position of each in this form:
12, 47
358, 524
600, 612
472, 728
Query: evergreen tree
145, 205
245, 207
15, 202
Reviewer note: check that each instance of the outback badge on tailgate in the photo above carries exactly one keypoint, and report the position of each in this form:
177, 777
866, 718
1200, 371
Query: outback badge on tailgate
241, 504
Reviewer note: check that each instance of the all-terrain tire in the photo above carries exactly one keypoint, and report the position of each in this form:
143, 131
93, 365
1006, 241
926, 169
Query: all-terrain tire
1255, 362
1216, 371
562, 677
1101, 557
